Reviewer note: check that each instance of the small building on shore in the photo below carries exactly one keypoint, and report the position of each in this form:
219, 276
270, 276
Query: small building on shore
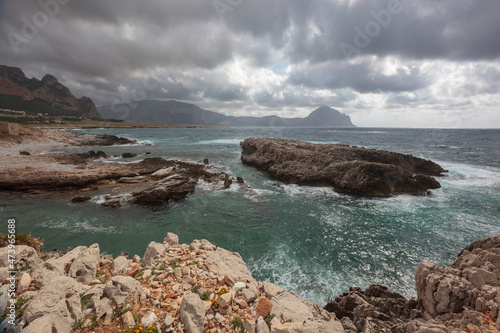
9, 128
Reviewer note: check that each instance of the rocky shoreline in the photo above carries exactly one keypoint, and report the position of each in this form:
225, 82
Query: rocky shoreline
152, 181
352, 170
203, 288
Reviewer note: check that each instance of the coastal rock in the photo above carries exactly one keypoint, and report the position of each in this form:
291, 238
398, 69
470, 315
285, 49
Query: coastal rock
128, 155
172, 188
192, 313
163, 173
121, 289
23, 283
376, 307
271, 290
132, 180
55, 307
84, 267
229, 264
120, 266
81, 198
26, 256
153, 251
348, 169
128, 319
170, 239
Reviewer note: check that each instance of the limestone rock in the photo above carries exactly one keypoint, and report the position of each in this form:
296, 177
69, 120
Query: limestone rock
153, 250
271, 290
132, 180
228, 264
348, 169
163, 173
23, 283
120, 266
26, 256
149, 319
172, 188
84, 267
290, 307
261, 326
128, 319
56, 305
121, 289
192, 313
171, 239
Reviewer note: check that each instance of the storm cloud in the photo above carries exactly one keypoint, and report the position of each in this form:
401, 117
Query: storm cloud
384, 62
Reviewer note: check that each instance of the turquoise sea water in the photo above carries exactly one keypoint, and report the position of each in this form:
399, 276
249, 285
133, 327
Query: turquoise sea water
312, 241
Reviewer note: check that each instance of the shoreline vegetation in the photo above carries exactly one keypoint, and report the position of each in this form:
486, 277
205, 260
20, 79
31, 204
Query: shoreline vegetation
200, 287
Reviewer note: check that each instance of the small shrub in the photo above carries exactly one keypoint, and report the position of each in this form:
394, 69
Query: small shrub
77, 324
269, 318
141, 329
23, 239
195, 289
205, 296
238, 325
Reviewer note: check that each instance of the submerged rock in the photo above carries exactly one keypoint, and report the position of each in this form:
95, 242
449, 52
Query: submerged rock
348, 169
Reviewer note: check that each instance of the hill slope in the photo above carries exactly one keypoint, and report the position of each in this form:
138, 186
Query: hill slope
174, 112
17, 92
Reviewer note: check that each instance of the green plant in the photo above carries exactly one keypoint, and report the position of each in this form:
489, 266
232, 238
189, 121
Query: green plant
95, 321
495, 284
173, 264
195, 289
77, 324
84, 302
103, 277
21, 304
205, 296
120, 310
238, 325
139, 275
269, 318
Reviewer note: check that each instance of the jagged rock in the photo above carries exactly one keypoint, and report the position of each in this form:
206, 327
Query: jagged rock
348, 169
121, 289
290, 307
224, 300
227, 181
153, 250
55, 307
169, 320
26, 256
149, 319
228, 264
102, 308
132, 180
120, 266
128, 155
128, 319
240, 180
264, 307
261, 326
162, 173
4, 297
202, 244
376, 307
25, 153
23, 283
81, 198
192, 313
171, 239
442, 291
172, 188
84, 267
271, 290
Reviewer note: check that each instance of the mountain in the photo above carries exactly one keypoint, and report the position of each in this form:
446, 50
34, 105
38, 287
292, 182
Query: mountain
33, 96
174, 112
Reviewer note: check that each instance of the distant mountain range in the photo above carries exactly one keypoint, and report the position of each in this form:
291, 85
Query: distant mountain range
174, 112
47, 96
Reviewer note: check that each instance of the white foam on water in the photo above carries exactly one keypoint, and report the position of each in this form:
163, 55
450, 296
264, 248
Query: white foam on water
463, 175
219, 142
76, 225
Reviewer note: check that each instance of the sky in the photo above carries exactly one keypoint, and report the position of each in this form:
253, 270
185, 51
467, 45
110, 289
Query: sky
385, 63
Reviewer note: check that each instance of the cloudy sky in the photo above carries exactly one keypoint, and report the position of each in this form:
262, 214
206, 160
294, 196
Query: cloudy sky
404, 63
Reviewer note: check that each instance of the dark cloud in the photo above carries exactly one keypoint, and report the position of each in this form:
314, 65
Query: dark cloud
351, 54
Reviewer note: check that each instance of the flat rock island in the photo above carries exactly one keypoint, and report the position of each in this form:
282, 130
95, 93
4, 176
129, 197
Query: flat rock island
347, 169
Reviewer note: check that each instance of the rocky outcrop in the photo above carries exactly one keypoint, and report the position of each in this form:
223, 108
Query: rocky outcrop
177, 288
376, 307
467, 295
13, 82
347, 169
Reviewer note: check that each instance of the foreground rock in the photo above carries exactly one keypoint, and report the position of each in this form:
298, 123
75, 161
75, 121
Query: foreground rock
347, 169
467, 295
174, 288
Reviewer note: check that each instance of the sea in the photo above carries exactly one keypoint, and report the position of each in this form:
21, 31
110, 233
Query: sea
309, 240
